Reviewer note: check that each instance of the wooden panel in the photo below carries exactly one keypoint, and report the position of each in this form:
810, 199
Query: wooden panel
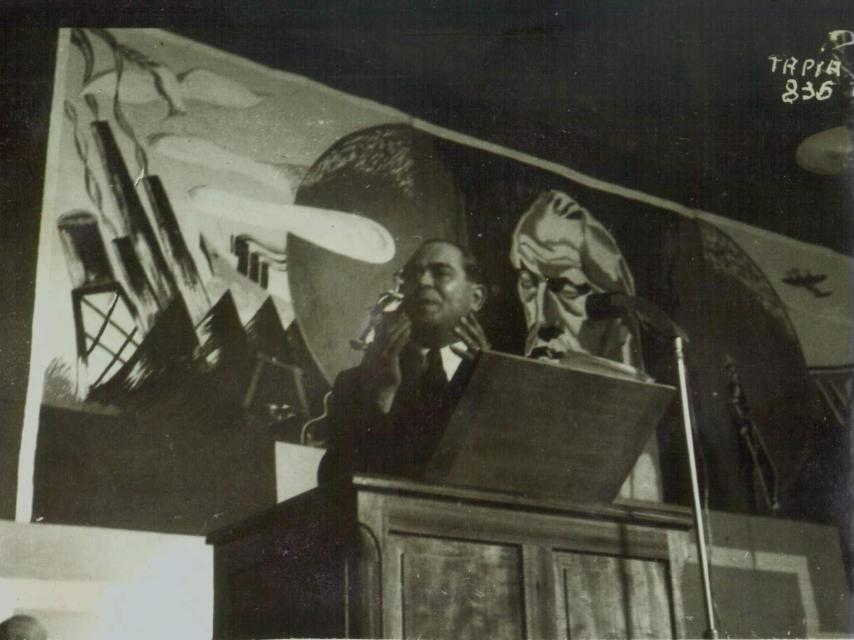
610, 597
638, 512
393, 558
770, 578
365, 590
752, 602
540, 607
678, 543
450, 589
284, 572
304, 598
579, 444
474, 522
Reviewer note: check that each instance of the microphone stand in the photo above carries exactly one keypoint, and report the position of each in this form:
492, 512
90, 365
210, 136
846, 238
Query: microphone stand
610, 305
697, 510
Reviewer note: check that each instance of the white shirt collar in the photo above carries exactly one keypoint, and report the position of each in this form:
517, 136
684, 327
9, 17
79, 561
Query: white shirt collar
450, 360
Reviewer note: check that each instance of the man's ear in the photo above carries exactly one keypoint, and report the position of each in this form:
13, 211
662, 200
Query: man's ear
478, 297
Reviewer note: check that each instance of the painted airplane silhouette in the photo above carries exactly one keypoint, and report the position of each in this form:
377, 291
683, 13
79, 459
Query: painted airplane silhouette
806, 280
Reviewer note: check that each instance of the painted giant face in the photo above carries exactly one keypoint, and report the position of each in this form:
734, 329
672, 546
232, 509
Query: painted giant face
563, 255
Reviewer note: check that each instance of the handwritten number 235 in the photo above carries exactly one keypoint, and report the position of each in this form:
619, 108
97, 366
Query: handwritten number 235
807, 91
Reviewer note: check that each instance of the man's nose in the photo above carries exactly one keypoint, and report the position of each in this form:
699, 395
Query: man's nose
550, 314
545, 309
425, 279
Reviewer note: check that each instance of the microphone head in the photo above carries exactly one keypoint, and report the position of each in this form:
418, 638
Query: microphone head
603, 306
607, 306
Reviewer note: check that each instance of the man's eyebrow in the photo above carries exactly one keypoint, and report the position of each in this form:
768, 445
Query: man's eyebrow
427, 265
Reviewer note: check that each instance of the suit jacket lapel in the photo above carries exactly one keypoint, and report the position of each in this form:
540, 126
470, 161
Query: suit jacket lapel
460, 381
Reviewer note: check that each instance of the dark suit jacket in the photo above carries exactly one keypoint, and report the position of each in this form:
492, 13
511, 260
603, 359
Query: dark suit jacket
363, 439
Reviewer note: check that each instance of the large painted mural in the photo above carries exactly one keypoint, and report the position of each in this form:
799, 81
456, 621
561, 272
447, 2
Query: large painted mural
216, 236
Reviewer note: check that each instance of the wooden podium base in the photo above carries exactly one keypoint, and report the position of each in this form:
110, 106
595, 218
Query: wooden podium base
385, 557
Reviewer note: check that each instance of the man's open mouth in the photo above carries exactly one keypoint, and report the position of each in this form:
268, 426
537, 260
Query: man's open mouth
549, 333
544, 352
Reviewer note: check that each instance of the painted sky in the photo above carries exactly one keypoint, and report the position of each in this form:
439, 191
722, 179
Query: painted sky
241, 129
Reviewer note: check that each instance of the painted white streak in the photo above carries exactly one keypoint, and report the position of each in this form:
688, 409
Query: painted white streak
138, 87
210, 87
230, 58
201, 152
346, 234
454, 136
41, 316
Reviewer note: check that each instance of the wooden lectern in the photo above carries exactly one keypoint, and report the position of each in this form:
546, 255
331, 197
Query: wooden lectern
386, 557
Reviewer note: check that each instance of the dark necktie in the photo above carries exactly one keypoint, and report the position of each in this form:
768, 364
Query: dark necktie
434, 382
422, 414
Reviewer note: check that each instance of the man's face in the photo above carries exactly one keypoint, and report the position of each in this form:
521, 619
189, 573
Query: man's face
437, 293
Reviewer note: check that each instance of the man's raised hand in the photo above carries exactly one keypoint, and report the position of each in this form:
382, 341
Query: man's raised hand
471, 333
380, 368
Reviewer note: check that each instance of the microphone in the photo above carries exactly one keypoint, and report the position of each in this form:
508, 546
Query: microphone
611, 305
606, 306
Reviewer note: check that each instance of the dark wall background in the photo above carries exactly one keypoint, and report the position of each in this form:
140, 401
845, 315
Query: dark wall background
26, 75
674, 98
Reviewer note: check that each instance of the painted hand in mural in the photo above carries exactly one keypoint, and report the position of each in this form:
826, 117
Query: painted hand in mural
381, 366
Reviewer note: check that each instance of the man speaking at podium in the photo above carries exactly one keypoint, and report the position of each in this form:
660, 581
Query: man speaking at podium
388, 414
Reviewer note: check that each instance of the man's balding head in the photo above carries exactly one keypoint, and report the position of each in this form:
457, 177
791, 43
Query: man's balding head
22, 628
